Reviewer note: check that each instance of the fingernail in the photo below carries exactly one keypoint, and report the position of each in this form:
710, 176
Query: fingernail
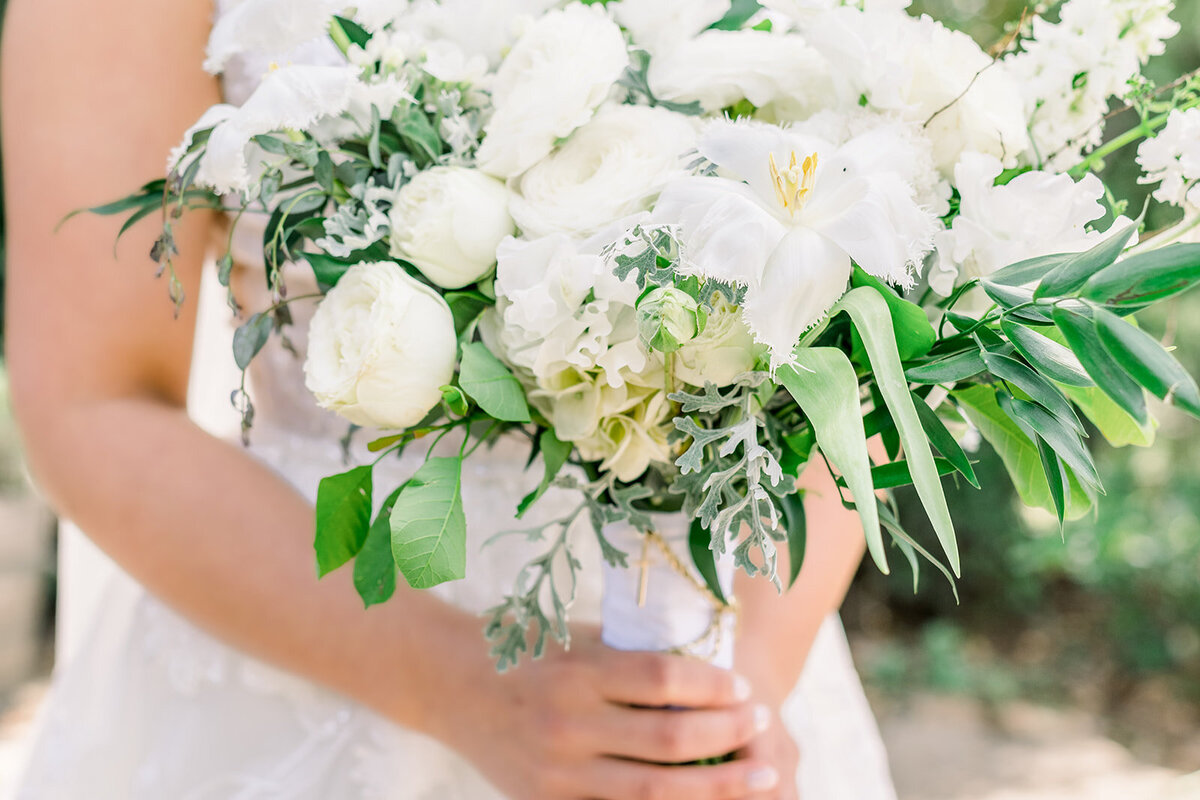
741, 689
762, 780
762, 718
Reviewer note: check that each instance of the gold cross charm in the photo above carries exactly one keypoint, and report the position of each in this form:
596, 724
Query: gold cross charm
644, 564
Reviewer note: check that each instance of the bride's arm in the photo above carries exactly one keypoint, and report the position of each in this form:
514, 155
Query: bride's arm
94, 95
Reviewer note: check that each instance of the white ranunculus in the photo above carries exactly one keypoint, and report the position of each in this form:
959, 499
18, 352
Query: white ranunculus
793, 213
612, 167
1035, 214
658, 24
551, 83
720, 68
448, 222
724, 350
380, 347
924, 72
291, 97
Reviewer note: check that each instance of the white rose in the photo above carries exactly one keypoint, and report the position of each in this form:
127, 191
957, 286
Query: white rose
552, 81
380, 347
719, 68
724, 350
448, 222
626, 444
610, 168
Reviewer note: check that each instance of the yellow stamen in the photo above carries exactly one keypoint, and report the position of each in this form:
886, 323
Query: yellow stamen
793, 185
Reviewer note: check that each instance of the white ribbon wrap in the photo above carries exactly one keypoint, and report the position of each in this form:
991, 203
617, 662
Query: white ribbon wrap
676, 614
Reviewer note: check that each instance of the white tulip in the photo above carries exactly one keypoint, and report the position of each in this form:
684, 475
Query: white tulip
551, 83
611, 168
448, 222
380, 347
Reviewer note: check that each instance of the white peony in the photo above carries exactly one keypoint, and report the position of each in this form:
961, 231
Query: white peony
791, 217
720, 68
612, 167
380, 347
1035, 214
554, 79
1172, 159
721, 352
448, 221
657, 24
923, 72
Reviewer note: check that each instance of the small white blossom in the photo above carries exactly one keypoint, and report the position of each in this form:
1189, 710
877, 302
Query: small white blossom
1172, 160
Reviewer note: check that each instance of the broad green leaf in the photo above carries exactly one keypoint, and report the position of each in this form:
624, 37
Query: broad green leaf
874, 323
1049, 357
1146, 278
490, 384
343, 517
700, 545
249, 339
914, 335
941, 438
1065, 441
1040, 390
466, 306
354, 32
1016, 450
951, 369
1073, 273
1082, 338
1029, 270
429, 528
1115, 424
797, 533
554, 455
1145, 360
375, 567
825, 387
327, 269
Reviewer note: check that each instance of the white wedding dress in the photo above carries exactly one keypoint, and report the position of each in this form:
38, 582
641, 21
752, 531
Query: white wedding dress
145, 706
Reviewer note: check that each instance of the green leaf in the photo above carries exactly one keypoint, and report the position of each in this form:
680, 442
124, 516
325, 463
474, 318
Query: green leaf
1056, 475
429, 528
797, 533
1065, 441
1016, 450
951, 369
1029, 270
1115, 424
343, 517
455, 400
909, 546
739, 13
825, 387
490, 384
1040, 390
250, 337
914, 335
356, 33
1146, 278
327, 269
941, 438
554, 455
897, 473
1147, 362
323, 172
419, 135
874, 323
466, 306
1082, 338
1073, 273
1010, 297
375, 567
700, 545
1049, 357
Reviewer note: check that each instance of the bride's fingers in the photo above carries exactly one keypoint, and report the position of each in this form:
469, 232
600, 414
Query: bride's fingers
656, 680
676, 737
613, 779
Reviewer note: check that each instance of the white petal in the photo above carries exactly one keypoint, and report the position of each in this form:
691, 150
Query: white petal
725, 230
267, 28
806, 275
744, 149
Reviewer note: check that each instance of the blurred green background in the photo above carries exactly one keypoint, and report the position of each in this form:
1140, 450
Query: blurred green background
1105, 618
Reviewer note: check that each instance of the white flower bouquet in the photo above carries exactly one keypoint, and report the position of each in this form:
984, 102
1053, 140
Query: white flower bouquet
684, 247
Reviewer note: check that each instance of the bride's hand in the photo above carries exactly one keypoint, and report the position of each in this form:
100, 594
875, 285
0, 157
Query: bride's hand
584, 724
775, 746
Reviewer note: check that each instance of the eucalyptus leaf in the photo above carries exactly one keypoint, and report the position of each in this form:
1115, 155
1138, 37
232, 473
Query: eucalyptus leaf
824, 385
343, 517
429, 528
874, 323
250, 337
490, 384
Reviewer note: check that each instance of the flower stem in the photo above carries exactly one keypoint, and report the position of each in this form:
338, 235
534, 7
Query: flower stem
1146, 129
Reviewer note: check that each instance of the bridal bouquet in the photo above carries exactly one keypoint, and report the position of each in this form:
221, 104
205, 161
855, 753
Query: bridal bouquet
690, 248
